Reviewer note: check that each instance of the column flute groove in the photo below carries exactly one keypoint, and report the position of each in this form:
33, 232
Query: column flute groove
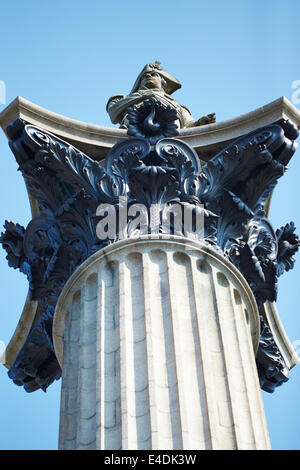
226, 412
167, 330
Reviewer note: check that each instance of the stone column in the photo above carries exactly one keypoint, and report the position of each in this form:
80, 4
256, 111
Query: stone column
157, 340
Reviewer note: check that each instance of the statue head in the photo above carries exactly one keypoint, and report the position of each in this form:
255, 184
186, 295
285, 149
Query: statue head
154, 76
152, 79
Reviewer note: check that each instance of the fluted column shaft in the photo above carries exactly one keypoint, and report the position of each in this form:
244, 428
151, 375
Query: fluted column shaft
157, 342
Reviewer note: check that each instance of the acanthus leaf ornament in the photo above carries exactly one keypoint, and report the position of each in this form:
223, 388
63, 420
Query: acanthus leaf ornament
271, 367
152, 120
288, 244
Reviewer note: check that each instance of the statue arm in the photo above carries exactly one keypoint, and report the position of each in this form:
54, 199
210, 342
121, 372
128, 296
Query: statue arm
207, 119
118, 104
113, 107
188, 121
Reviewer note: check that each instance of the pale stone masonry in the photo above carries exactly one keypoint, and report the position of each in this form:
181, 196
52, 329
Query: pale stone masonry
157, 341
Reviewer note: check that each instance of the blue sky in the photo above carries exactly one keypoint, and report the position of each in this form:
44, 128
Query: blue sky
231, 56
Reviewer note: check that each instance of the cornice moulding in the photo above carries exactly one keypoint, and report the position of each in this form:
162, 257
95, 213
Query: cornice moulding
96, 140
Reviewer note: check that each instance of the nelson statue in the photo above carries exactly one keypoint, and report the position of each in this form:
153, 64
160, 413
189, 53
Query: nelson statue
153, 81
